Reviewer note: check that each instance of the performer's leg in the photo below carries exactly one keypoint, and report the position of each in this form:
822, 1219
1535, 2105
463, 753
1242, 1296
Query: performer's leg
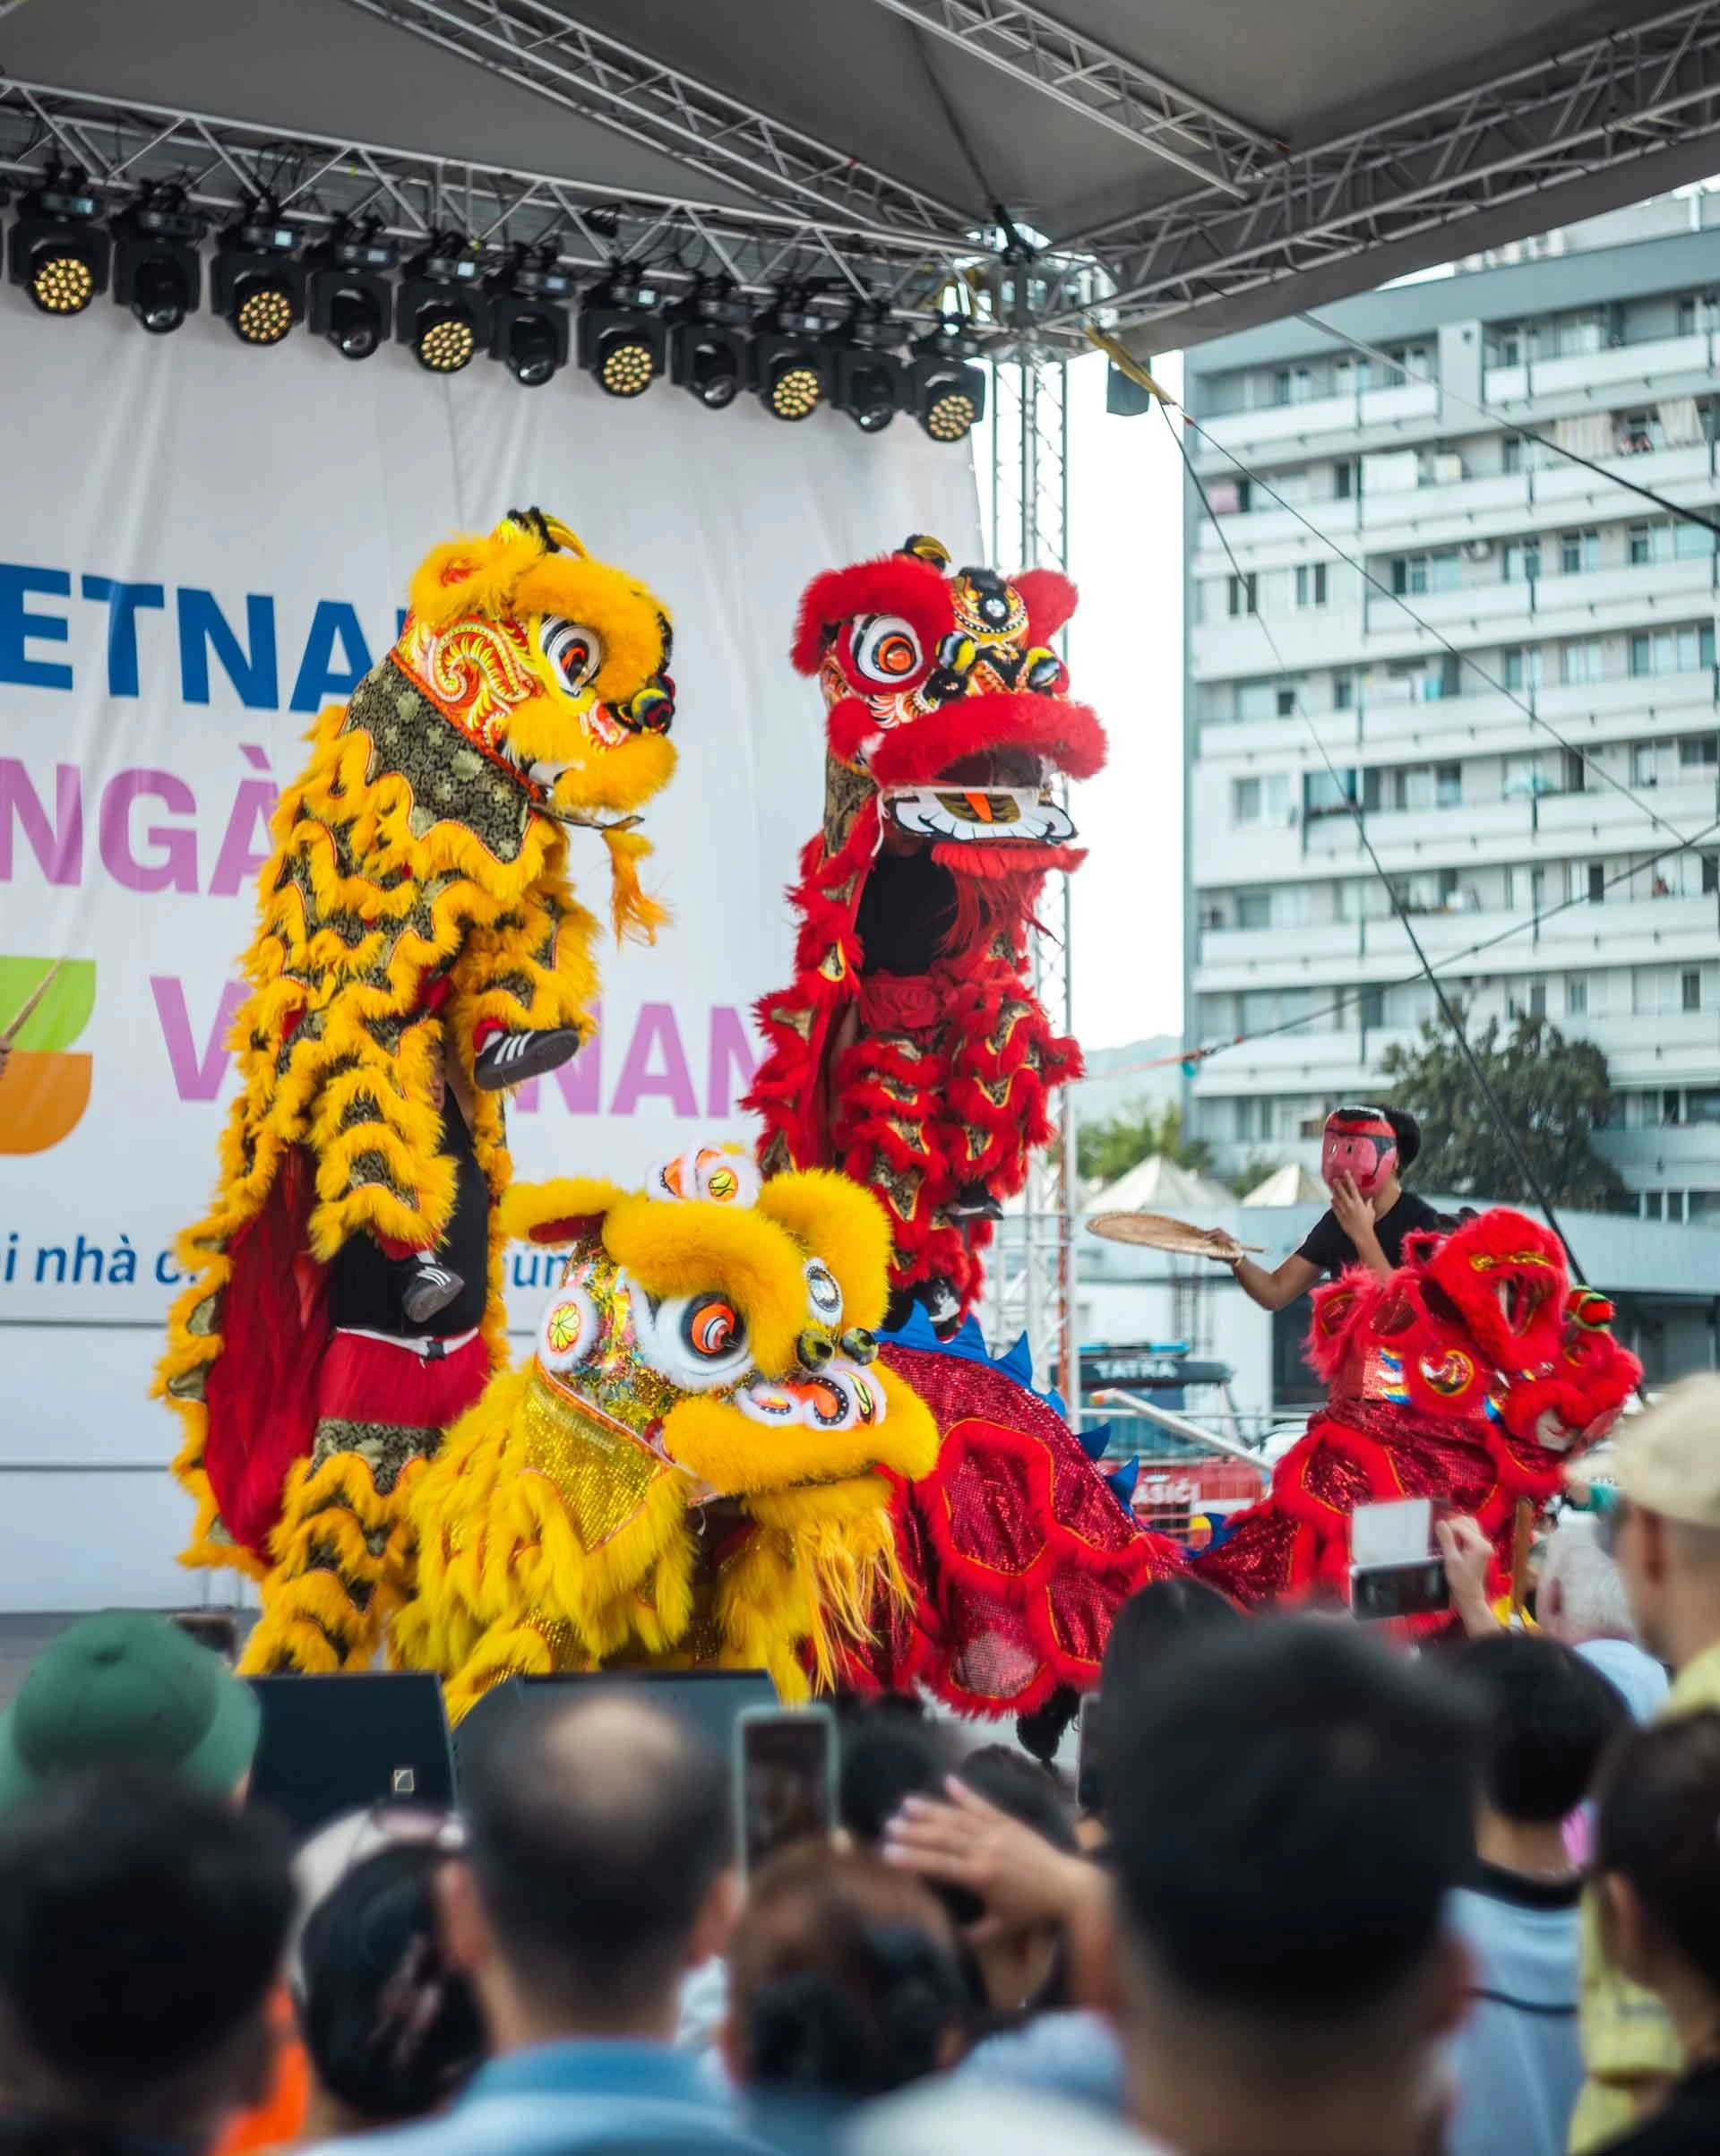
886, 1101
1005, 1062
523, 991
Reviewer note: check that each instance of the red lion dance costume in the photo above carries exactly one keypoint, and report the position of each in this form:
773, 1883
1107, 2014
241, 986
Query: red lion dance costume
909, 1050
1473, 1375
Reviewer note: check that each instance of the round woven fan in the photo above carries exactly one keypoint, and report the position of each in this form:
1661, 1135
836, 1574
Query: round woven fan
1158, 1232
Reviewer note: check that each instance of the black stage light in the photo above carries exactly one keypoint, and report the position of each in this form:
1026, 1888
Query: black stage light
708, 342
257, 282
350, 300
867, 373
528, 331
59, 253
946, 391
621, 334
441, 312
791, 366
157, 272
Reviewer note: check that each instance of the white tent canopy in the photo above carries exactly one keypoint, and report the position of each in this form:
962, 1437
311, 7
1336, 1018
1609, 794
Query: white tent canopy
1157, 1185
1290, 1185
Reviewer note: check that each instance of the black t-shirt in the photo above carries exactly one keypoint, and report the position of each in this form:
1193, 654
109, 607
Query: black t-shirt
366, 1284
1688, 2124
1331, 1249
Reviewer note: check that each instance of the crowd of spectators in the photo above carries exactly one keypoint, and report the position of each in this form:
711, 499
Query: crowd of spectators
1314, 1896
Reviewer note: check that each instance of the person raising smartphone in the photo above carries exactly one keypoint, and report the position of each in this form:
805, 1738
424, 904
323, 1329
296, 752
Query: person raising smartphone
1362, 1152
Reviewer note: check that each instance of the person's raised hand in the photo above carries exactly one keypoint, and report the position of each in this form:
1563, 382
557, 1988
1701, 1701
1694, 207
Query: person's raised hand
964, 1841
1469, 1558
1351, 1210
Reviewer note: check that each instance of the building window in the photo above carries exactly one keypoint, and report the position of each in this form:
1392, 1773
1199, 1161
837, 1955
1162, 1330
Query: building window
1578, 551
1344, 480
1690, 988
1327, 793
1695, 750
1672, 650
1311, 585
1521, 561
1642, 544
1253, 909
1654, 1205
1414, 573
1523, 666
1710, 875
1371, 1008
1344, 691
1511, 450
1286, 704
1537, 999
1241, 594
1576, 995
1584, 661
1258, 800
1448, 785
1596, 883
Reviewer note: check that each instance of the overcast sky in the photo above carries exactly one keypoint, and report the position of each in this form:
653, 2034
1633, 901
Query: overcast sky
1126, 660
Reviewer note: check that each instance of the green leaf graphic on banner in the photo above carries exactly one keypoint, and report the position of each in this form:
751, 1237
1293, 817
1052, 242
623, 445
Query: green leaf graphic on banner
62, 1013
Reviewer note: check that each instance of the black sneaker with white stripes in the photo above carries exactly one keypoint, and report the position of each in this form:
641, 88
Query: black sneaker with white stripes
432, 1288
510, 1058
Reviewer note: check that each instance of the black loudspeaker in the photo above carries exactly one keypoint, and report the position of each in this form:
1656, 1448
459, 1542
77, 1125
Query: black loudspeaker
340, 1744
708, 1702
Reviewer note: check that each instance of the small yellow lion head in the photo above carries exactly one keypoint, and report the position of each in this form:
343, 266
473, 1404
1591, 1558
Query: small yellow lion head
725, 1324
547, 659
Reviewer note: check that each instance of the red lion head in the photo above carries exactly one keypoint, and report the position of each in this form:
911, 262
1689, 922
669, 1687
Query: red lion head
943, 690
1505, 1276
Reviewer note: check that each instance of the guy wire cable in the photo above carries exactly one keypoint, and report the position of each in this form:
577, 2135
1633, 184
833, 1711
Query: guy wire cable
1126, 364
1450, 1016
1510, 426
1464, 658
1446, 965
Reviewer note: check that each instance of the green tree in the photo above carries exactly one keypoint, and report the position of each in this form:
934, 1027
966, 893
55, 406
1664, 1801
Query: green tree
1105, 1151
1554, 1093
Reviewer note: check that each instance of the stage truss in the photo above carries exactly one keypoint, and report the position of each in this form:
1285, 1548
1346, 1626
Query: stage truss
1030, 1281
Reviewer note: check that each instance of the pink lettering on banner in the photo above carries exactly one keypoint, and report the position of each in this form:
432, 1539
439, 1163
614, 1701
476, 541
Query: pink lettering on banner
731, 1052
656, 1031
253, 803
579, 1081
174, 866
197, 1077
58, 847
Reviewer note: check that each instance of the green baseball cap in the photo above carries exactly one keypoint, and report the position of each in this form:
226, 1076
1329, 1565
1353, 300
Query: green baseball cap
128, 1688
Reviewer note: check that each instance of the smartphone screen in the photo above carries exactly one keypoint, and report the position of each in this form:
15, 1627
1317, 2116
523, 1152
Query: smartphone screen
785, 1779
1418, 1589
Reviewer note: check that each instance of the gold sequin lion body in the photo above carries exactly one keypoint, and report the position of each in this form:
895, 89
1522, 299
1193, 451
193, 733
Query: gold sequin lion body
416, 905
693, 1468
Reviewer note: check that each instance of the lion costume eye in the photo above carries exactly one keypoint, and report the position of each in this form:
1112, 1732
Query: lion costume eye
569, 1330
886, 650
575, 651
699, 1341
824, 1296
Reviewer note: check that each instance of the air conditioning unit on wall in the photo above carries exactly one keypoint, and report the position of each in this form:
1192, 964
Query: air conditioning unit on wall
1477, 550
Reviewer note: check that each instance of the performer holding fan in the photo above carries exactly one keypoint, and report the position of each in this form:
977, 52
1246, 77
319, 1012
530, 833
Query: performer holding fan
1360, 1155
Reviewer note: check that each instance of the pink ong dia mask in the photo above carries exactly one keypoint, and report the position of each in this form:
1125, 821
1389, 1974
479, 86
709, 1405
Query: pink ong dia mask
1359, 1142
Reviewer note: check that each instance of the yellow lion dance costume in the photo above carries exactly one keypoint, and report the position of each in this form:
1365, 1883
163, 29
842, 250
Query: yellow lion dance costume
419, 948
691, 1468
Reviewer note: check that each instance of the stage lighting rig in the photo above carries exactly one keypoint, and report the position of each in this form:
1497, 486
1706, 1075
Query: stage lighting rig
708, 342
867, 372
351, 300
441, 312
157, 273
528, 331
791, 365
257, 282
946, 390
622, 333
59, 253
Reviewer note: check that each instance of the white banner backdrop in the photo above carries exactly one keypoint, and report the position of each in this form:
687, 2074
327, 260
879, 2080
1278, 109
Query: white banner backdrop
200, 545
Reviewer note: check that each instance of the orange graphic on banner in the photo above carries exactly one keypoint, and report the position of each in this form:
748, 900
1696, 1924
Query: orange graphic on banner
45, 1090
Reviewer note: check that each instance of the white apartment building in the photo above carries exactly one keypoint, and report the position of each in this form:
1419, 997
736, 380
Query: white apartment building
1590, 607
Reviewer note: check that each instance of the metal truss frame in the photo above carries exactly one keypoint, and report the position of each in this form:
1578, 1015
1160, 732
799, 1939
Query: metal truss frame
1030, 1285
539, 46
1628, 94
1086, 77
225, 165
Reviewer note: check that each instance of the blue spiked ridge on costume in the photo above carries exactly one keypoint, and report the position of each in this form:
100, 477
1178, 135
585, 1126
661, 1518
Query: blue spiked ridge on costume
967, 1343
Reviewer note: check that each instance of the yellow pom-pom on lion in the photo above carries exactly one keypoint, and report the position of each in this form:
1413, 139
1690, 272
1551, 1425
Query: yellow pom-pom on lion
419, 949
691, 1468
